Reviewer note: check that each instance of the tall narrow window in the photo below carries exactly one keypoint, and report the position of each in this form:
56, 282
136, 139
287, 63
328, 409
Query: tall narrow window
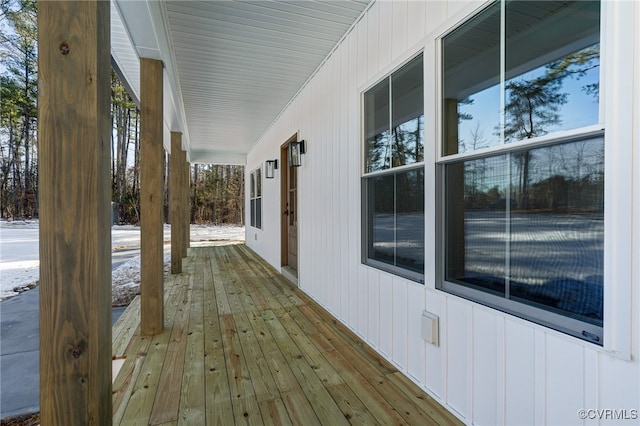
256, 198
522, 163
393, 180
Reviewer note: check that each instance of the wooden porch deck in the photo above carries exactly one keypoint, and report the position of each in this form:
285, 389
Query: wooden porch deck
243, 345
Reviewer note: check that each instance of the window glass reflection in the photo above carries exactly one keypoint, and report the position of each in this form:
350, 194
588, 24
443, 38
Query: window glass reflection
258, 182
253, 212
407, 94
394, 132
396, 219
550, 76
477, 202
561, 95
258, 213
381, 217
471, 66
551, 67
557, 230
533, 227
376, 123
410, 220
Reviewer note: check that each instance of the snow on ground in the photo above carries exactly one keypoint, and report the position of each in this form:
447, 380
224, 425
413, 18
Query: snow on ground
19, 264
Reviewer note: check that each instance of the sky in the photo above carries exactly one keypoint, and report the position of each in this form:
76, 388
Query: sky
580, 110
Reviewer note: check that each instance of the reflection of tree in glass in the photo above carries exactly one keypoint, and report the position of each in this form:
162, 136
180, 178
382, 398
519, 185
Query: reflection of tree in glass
476, 137
476, 170
407, 142
533, 105
468, 101
405, 148
569, 178
577, 64
378, 152
563, 178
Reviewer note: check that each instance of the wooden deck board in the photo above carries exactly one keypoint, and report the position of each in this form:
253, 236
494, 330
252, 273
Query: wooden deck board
167, 401
352, 408
264, 385
274, 413
125, 328
143, 393
192, 395
241, 345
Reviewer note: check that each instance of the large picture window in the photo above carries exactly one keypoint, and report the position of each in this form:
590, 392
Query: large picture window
393, 180
522, 163
256, 198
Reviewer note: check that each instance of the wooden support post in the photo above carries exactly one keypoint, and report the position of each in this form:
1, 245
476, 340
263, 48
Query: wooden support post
75, 222
151, 199
177, 205
187, 204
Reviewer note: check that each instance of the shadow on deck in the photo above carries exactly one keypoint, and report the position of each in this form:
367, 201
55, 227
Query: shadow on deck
242, 345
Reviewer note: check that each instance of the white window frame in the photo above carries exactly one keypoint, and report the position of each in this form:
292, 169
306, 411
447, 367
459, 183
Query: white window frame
255, 198
616, 114
392, 269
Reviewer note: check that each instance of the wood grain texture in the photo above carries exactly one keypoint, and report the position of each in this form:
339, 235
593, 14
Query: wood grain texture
75, 238
166, 404
177, 208
143, 389
151, 197
125, 327
186, 203
265, 355
186, 169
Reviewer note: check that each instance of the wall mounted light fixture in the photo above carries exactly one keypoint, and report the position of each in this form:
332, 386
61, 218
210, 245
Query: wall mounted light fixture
296, 149
271, 166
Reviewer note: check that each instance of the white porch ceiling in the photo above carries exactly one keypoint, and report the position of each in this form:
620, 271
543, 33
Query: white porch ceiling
231, 67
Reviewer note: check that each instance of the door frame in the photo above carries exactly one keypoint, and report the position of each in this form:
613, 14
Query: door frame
284, 199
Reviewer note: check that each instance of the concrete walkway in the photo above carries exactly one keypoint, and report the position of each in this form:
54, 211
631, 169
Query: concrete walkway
20, 353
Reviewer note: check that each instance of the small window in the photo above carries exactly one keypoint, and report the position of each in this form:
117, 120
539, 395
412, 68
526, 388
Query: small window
393, 182
522, 164
256, 199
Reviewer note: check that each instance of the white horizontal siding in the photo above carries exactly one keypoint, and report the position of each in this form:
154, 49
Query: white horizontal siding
489, 368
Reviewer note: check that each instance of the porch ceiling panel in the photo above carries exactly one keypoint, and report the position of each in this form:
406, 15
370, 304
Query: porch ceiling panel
238, 64
124, 56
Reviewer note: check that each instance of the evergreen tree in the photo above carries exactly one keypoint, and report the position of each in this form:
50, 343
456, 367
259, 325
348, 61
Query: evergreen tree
218, 190
124, 119
18, 50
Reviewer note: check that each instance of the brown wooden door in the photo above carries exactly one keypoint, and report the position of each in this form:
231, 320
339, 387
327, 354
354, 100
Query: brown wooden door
289, 197
292, 228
